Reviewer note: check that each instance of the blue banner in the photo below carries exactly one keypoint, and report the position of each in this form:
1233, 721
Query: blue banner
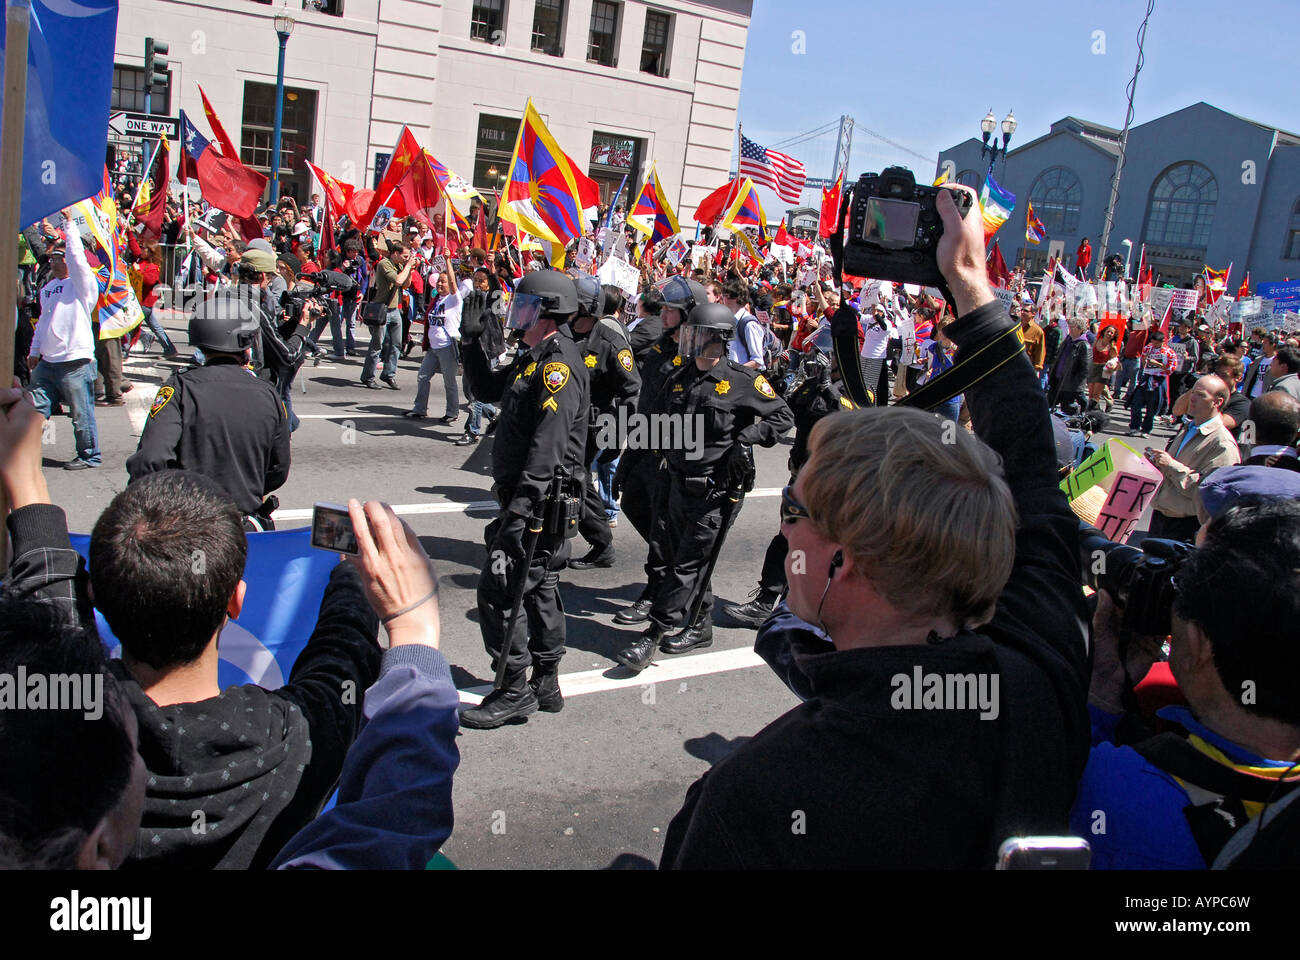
69, 90
1285, 294
286, 579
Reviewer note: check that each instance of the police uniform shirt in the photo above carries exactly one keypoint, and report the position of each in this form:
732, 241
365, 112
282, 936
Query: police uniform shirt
223, 422
812, 401
660, 362
611, 368
543, 396
737, 405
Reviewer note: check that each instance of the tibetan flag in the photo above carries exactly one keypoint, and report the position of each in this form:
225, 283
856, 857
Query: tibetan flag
746, 210
996, 204
117, 311
1216, 283
715, 204
829, 223
286, 580
1034, 229
226, 183
458, 191
151, 201
69, 89
337, 193
545, 193
652, 215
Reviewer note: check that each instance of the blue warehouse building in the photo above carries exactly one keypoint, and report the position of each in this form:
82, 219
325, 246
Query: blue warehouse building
1200, 186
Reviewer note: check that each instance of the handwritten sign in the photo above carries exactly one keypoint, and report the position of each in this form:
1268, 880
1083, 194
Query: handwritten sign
621, 274
586, 252
1089, 473
1129, 496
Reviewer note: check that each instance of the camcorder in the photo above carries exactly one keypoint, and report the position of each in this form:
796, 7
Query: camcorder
1140, 581
321, 284
893, 229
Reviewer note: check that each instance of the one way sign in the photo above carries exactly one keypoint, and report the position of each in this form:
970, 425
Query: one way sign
144, 126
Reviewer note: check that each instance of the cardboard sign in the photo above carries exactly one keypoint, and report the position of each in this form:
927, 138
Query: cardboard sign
621, 274
1128, 497
586, 252
1112, 488
438, 264
1184, 299
1006, 297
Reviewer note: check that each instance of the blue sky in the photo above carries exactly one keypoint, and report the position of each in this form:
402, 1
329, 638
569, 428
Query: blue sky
924, 74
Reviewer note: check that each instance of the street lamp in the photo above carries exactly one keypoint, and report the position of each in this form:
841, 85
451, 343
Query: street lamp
283, 27
987, 126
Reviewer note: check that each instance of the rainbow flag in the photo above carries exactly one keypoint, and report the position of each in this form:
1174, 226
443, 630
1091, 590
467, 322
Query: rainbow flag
117, 310
746, 210
652, 214
545, 193
1034, 229
996, 204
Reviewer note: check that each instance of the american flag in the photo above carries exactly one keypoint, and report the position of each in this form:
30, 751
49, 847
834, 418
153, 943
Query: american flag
782, 173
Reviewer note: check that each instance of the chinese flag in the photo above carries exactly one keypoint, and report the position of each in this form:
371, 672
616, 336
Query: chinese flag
1244, 290
831, 208
782, 239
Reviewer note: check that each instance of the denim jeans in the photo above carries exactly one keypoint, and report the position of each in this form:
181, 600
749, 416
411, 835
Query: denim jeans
333, 316
73, 383
384, 340
159, 334
1126, 378
1145, 404
443, 359
604, 475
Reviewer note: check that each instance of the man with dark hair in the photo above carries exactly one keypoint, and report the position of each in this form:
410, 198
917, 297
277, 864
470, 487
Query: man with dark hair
1286, 366
392, 276
746, 347
166, 560
73, 783
1258, 377
647, 327
1276, 419
1174, 801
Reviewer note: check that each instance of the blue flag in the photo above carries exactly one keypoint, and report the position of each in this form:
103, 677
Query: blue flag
286, 579
69, 90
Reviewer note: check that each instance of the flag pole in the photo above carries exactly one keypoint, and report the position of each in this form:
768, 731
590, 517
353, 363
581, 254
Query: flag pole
735, 189
17, 30
144, 178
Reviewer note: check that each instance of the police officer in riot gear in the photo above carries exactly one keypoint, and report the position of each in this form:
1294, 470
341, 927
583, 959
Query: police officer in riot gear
639, 483
614, 383
736, 407
541, 435
219, 419
817, 396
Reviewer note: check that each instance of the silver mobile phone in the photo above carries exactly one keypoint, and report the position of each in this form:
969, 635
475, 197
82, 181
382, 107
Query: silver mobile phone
1044, 853
331, 529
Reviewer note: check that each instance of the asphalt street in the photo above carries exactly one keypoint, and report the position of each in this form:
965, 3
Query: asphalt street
577, 789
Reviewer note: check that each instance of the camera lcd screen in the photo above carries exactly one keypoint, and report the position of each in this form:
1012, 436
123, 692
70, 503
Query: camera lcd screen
890, 223
331, 529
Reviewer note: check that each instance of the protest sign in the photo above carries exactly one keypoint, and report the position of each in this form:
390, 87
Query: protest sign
1112, 488
586, 252
702, 256
1285, 293
621, 274
1184, 299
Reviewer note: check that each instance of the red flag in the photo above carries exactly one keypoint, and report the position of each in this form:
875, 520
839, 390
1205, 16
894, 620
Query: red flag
405, 155
327, 240
151, 202
358, 205
1244, 289
337, 193
228, 148
227, 184
250, 228
996, 266
419, 190
782, 239
1164, 322
480, 229
715, 204
830, 217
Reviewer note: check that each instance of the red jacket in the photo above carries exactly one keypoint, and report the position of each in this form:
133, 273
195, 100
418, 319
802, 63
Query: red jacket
1084, 255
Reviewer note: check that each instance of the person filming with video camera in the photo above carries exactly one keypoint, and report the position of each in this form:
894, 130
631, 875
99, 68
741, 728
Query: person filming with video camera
938, 575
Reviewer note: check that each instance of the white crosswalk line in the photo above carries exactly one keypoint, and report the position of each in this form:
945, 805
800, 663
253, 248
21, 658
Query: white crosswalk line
661, 671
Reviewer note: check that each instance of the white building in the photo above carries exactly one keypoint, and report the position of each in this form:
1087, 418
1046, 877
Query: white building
619, 82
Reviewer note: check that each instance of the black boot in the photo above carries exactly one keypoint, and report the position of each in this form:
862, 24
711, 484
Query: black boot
639, 612
545, 684
638, 656
516, 699
595, 557
700, 635
757, 610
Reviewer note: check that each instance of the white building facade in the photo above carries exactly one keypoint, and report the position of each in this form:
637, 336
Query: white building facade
620, 83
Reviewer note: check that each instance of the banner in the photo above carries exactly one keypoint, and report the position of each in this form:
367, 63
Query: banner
1284, 293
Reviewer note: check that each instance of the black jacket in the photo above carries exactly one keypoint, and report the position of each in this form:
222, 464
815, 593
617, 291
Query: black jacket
849, 780
1075, 375
644, 334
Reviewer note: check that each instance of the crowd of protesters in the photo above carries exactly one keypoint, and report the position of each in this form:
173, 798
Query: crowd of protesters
960, 557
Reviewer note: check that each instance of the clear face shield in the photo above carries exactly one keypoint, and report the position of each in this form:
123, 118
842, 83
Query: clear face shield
525, 312
677, 290
701, 342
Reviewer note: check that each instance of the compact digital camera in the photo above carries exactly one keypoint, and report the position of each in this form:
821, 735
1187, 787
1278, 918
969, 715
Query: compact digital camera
894, 228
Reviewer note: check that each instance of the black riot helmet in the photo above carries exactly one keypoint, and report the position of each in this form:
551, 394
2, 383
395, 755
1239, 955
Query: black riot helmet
542, 293
225, 323
590, 295
707, 324
683, 296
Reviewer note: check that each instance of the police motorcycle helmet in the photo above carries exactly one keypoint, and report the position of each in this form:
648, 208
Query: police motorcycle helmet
682, 295
707, 324
542, 293
224, 323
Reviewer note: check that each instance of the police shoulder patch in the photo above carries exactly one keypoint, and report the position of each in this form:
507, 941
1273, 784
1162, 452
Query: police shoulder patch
590, 361
625, 360
763, 387
555, 375
160, 400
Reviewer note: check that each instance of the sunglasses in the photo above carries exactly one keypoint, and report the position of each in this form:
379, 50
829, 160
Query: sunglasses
792, 509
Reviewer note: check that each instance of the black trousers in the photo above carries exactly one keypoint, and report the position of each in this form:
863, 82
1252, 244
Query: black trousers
875, 374
594, 525
644, 497
772, 579
539, 632
687, 532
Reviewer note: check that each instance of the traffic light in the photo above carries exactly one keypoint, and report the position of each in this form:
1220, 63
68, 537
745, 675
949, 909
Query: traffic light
155, 69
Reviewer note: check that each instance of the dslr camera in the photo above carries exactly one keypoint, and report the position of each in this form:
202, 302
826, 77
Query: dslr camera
893, 228
1140, 581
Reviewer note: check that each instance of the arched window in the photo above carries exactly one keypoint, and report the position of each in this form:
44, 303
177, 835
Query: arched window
1057, 198
969, 178
1292, 249
1182, 206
